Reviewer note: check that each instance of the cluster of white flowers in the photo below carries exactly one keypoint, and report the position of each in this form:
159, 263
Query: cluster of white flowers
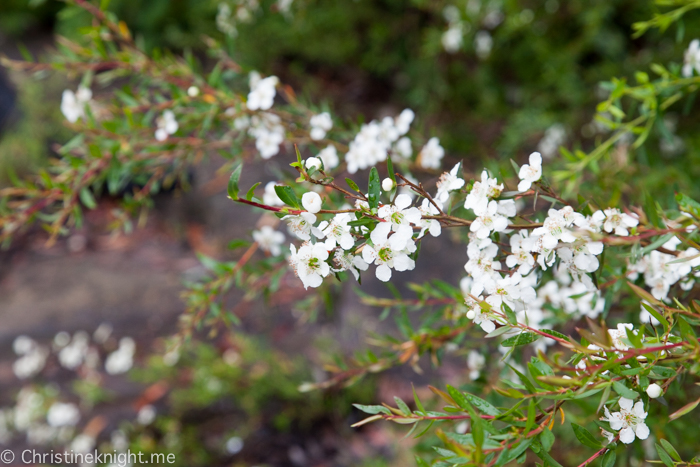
167, 125
32, 357
691, 59
660, 274
320, 125
121, 360
268, 132
431, 155
73, 103
453, 37
226, 18
262, 92
376, 139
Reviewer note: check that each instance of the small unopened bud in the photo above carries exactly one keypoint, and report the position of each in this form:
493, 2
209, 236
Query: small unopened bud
654, 390
311, 202
193, 91
388, 184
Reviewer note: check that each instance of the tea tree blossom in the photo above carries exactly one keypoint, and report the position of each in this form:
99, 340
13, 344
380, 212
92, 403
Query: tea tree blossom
654, 390
530, 173
449, 181
691, 59
270, 197
313, 163
269, 240
311, 202
62, 414
629, 421
388, 184
403, 122
337, 232
487, 188
556, 227
431, 155
520, 248
615, 221
488, 220
475, 363
483, 43
403, 148
620, 333
320, 125
73, 103
482, 264
302, 225
432, 225
122, 359
167, 125
262, 93
309, 263
400, 217
486, 320
346, 261
384, 255
452, 38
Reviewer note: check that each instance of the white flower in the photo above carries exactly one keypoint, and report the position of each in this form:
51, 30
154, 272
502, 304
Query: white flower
476, 313
312, 202
530, 173
488, 220
400, 217
313, 163
193, 91
629, 421
346, 261
302, 225
262, 93
503, 290
122, 359
481, 265
432, 225
320, 125
431, 154
337, 232
620, 333
520, 247
403, 122
449, 181
269, 239
484, 189
382, 253
388, 133
270, 197
654, 390
452, 38
268, 143
329, 156
403, 148
72, 355
309, 263
388, 184
554, 136
691, 59
556, 227
475, 363
483, 42
62, 414
73, 104
31, 363
146, 415
616, 221
167, 125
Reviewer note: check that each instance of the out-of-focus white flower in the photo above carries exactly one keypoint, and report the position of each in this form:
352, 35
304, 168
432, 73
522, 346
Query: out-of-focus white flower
329, 156
270, 196
530, 173
262, 93
72, 355
431, 155
62, 414
269, 239
268, 132
167, 125
453, 38
32, 361
475, 363
483, 43
83, 443
554, 136
403, 148
234, 445
312, 202
320, 125
404, 120
102, 333
73, 103
629, 421
193, 91
121, 360
302, 225
691, 59
146, 415
309, 263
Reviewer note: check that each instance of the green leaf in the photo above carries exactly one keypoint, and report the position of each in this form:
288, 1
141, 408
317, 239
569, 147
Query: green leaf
659, 317
531, 412
390, 169
233, 244
233, 182
352, 184
585, 437
521, 339
373, 409
556, 334
481, 404
623, 390
688, 205
684, 410
609, 458
547, 439
671, 450
374, 190
251, 191
665, 458
417, 401
644, 294
510, 314
87, 199
421, 463
287, 195
651, 211
402, 406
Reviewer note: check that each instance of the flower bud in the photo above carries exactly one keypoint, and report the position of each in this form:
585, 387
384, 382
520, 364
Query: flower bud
313, 163
654, 390
388, 184
311, 202
193, 91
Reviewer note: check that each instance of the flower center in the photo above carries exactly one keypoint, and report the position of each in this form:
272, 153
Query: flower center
385, 254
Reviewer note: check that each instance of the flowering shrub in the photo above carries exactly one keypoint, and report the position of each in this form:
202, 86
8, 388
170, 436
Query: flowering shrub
545, 274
